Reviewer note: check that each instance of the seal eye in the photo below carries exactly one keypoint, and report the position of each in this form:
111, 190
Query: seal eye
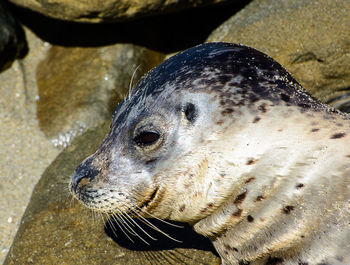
190, 112
146, 138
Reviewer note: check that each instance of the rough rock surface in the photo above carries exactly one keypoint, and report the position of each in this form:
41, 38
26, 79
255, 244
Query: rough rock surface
24, 150
12, 39
108, 10
309, 38
57, 230
79, 87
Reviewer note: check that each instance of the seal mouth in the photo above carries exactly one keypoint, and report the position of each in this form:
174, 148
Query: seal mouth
150, 201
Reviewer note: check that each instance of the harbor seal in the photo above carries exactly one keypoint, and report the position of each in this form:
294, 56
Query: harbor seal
222, 137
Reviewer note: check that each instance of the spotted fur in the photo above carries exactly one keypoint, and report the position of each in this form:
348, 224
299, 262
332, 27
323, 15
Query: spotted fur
238, 149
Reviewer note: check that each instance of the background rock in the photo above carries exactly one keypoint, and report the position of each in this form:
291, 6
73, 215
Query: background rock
164, 33
108, 10
24, 150
12, 39
56, 231
311, 39
80, 87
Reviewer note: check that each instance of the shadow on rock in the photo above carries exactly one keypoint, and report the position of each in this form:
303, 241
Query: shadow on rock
144, 237
164, 33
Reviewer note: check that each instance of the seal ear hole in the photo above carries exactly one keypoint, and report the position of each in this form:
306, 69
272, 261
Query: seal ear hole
146, 138
190, 112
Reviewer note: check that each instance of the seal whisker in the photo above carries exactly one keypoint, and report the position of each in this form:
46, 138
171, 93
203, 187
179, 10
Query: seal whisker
117, 221
145, 221
155, 217
112, 227
135, 223
131, 87
130, 229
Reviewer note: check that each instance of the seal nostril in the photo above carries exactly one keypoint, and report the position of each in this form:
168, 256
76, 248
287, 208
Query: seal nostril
83, 175
83, 182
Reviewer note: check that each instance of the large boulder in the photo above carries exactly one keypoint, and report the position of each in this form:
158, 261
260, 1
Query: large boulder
79, 87
108, 10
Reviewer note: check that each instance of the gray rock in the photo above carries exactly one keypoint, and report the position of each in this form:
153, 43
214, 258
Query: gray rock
79, 87
57, 230
309, 38
108, 10
12, 39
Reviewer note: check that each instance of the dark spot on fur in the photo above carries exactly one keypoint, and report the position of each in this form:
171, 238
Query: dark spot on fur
250, 179
348, 156
237, 213
274, 261
222, 102
287, 209
302, 236
315, 130
227, 111
304, 105
226, 252
250, 218
219, 122
187, 185
256, 119
262, 108
285, 97
303, 263
235, 249
240, 198
260, 198
252, 161
337, 135
182, 208
299, 185
151, 161
210, 204
224, 78
190, 112
339, 258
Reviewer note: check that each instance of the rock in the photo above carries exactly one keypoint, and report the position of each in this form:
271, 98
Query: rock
311, 39
24, 150
55, 230
79, 87
108, 10
164, 33
12, 39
